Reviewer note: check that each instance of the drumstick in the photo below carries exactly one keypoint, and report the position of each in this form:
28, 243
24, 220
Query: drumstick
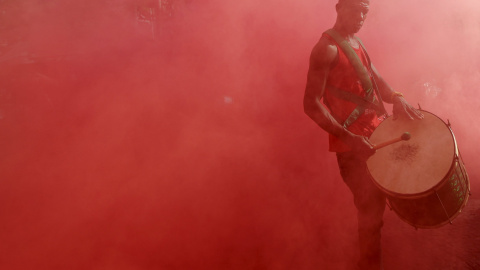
405, 137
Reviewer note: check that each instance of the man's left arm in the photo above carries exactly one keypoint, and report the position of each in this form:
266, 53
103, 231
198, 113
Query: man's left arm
400, 105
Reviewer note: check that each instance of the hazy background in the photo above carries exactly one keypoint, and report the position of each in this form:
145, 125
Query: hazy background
179, 141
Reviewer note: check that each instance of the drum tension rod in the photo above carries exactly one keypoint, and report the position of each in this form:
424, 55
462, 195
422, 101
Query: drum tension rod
449, 220
388, 204
464, 172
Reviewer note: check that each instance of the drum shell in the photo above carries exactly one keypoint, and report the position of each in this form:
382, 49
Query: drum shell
441, 202
438, 207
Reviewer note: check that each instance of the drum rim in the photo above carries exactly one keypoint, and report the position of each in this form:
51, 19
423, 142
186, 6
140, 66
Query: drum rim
433, 188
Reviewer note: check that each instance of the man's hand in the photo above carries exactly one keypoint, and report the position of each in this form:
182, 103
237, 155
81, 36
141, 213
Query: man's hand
358, 144
403, 109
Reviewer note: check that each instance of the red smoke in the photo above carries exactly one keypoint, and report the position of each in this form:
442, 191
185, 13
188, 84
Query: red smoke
186, 147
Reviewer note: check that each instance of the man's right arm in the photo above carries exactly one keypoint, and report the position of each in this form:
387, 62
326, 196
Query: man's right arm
321, 60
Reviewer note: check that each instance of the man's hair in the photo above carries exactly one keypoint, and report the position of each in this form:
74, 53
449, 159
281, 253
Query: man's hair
340, 2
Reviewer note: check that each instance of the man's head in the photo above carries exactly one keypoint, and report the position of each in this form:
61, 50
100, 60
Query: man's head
351, 14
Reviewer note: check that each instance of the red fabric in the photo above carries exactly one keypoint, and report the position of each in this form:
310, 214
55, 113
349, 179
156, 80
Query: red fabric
343, 76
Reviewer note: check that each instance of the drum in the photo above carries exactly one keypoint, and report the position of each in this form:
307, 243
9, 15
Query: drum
423, 178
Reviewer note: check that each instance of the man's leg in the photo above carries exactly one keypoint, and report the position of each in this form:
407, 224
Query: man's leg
370, 203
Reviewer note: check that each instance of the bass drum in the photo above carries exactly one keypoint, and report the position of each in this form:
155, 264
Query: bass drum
423, 178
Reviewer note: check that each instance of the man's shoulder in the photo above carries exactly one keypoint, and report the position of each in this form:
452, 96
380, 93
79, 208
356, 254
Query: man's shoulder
325, 49
325, 44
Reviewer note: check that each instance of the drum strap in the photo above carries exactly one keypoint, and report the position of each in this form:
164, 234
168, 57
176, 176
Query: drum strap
369, 101
349, 96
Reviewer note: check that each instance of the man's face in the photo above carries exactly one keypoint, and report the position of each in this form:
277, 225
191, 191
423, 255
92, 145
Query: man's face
352, 14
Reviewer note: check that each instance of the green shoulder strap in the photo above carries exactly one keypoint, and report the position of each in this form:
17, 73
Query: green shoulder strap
378, 102
353, 58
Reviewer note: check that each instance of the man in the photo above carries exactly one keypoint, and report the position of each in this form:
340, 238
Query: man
352, 91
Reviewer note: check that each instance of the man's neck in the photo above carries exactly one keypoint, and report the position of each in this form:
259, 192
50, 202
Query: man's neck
348, 36
344, 33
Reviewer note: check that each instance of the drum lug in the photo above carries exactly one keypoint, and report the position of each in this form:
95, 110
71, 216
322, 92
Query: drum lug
448, 123
420, 108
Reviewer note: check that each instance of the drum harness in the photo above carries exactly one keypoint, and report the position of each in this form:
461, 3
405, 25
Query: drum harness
363, 103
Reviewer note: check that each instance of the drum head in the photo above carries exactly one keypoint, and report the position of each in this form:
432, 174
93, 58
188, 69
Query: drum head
412, 167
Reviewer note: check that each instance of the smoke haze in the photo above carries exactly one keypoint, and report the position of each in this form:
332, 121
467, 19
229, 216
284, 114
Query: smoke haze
185, 145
